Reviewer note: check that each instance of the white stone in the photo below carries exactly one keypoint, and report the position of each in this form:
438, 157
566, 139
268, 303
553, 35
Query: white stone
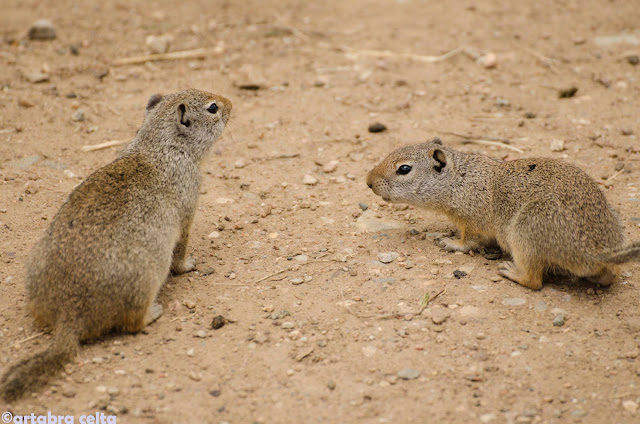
309, 180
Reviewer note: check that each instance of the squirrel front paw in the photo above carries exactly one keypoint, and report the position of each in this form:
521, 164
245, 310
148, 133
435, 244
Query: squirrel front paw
451, 245
188, 265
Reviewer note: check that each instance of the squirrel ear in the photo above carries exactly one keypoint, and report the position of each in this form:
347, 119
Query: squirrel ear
437, 140
439, 160
182, 115
153, 102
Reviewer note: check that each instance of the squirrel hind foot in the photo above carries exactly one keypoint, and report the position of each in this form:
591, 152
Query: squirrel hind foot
135, 321
510, 270
606, 277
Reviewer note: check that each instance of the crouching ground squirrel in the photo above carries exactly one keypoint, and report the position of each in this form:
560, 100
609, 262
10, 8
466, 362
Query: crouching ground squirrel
548, 214
114, 241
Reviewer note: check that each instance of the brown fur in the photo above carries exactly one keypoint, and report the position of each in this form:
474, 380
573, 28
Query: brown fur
548, 214
111, 246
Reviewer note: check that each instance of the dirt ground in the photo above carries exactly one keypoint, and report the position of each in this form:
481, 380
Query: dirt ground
305, 90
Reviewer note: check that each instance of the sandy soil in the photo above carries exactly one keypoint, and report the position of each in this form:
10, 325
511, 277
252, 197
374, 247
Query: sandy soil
494, 357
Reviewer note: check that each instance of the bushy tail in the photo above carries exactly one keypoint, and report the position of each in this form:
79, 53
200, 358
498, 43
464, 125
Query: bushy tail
31, 373
627, 253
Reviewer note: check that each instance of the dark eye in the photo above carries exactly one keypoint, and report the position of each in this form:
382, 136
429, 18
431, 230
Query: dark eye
404, 169
213, 108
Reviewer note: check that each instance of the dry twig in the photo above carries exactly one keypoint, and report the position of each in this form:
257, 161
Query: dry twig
183, 54
425, 302
35, 336
390, 54
499, 142
107, 144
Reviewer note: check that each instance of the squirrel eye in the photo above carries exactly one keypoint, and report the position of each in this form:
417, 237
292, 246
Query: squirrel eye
404, 169
213, 108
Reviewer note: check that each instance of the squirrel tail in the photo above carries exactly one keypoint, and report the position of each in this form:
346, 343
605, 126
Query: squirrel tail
624, 254
31, 373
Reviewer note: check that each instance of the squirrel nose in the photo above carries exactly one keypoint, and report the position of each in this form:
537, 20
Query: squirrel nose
369, 184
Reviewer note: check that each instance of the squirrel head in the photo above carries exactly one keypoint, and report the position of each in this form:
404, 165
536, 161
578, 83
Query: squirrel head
416, 174
195, 116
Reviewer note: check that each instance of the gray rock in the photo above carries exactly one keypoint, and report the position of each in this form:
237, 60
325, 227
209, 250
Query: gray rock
78, 115
301, 258
388, 257
42, 29
363, 206
541, 306
368, 223
558, 321
296, 281
278, 315
408, 374
24, 163
610, 40
384, 280
514, 301
439, 315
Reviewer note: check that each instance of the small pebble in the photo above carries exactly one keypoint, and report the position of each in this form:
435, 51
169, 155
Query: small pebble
287, 325
541, 306
439, 315
201, 334
302, 258
309, 180
487, 418
37, 77
330, 166
530, 115
626, 131
213, 235
558, 321
630, 406
634, 59
159, 44
218, 322
363, 206
408, 374
25, 103
388, 257
78, 115
377, 127
557, 145
459, 274
567, 92
514, 301
42, 29
489, 60
69, 393
331, 385
240, 163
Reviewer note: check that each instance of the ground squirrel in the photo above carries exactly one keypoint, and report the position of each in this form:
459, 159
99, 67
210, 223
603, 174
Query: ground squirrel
548, 214
114, 241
